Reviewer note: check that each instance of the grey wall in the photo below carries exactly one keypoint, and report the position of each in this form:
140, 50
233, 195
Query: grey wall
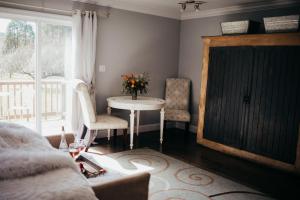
128, 42
133, 42
190, 53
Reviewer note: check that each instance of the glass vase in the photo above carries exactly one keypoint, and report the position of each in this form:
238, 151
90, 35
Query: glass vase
63, 146
134, 95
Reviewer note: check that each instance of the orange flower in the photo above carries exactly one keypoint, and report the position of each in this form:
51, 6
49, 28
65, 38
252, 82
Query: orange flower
125, 77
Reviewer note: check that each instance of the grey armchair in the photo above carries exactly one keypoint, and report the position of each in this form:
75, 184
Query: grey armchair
177, 98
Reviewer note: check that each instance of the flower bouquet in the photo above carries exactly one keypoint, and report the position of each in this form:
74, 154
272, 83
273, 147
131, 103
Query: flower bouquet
134, 83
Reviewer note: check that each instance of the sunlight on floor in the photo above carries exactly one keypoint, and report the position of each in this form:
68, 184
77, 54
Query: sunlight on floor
132, 167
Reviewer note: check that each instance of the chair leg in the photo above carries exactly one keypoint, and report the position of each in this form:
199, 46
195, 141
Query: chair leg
91, 138
83, 132
125, 137
165, 124
108, 134
187, 127
115, 135
186, 134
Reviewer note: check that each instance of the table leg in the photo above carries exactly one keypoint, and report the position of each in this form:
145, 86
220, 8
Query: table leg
108, 134
137, 122
108, 130
108, 110
131, 128
162, 117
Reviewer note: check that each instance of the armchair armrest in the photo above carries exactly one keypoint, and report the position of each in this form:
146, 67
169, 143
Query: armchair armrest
133, 187
54, 140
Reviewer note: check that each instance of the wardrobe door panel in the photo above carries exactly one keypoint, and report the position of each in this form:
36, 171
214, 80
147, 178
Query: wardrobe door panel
214, 95
274, 111
228, 77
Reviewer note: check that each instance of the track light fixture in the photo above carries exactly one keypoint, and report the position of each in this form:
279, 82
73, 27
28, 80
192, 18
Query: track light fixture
196, 4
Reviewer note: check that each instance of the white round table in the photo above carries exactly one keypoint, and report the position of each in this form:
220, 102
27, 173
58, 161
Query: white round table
142, 103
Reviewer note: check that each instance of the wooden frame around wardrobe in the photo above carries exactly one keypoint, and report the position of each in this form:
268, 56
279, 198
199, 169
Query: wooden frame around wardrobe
286, 39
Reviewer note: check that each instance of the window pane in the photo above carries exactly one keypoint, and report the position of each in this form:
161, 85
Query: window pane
17, 71
55, 44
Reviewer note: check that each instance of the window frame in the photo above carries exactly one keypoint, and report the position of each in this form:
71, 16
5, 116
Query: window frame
37, 18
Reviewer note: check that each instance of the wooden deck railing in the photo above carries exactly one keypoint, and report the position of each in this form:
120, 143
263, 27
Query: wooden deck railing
17, 99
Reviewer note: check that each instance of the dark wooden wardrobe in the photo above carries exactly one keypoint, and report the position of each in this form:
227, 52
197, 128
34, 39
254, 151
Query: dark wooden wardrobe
250, 97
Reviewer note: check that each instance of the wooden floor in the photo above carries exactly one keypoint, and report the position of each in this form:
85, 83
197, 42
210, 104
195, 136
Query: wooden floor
276, 183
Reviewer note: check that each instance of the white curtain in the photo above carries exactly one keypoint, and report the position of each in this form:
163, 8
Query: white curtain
84, 56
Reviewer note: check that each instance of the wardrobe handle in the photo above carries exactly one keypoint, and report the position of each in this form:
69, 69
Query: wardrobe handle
246, 99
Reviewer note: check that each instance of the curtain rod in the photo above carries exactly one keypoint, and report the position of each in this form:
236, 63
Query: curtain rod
56, 11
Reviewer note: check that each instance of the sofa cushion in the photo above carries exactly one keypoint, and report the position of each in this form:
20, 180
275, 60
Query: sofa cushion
55, 184
32, 169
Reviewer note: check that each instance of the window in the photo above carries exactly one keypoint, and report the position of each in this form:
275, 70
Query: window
35, 58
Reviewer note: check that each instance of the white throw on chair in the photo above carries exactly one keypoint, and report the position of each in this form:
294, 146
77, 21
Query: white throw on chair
94, 122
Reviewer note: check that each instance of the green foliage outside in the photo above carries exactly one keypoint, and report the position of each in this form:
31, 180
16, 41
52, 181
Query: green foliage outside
18, 50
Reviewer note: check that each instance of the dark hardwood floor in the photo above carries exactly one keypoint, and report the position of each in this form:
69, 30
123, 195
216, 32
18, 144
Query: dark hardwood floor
276, 183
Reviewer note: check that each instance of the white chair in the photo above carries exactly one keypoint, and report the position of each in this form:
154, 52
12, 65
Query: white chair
94, 122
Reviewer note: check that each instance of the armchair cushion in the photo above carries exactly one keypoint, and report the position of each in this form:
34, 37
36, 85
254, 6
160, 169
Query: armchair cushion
177, 115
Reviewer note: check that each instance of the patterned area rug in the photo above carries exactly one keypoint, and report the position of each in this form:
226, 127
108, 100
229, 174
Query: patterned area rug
172, 179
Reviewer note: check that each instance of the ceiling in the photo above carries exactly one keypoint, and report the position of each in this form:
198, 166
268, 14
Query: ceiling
171, 9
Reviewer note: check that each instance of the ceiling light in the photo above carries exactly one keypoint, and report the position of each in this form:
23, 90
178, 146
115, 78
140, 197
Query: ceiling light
196, 4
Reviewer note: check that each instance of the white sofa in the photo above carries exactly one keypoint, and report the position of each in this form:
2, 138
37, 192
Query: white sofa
32, 169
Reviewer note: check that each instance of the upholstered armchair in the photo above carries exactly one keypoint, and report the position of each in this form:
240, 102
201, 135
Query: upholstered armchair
93, 122
177, 98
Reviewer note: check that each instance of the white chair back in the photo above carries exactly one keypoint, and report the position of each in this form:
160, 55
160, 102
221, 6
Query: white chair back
88, 112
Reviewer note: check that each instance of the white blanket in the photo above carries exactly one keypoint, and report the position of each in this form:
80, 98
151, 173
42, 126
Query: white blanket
32, 169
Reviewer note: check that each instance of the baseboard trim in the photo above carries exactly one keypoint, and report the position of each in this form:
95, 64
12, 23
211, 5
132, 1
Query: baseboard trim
148, 128
142, 129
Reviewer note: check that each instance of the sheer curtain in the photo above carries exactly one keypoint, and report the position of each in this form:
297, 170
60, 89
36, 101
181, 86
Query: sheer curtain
84, 56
